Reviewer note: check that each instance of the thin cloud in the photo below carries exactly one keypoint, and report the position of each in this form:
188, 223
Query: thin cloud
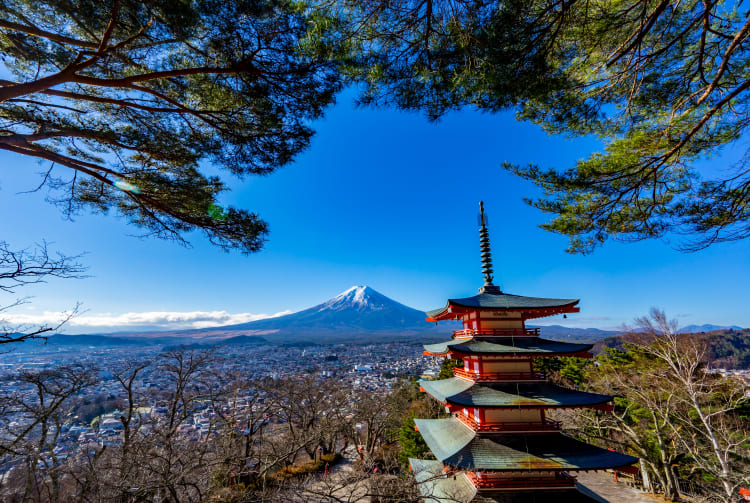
171, 320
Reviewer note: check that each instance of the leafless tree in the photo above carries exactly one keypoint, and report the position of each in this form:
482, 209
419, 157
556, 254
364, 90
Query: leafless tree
31, 424
208, 435
159, 457
704, 419
20, 268
672, 411
308, 409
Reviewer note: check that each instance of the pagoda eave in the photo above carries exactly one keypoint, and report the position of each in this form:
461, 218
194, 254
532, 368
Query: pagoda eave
459, 447
459, 355
450, 312
436, 485
427, 353
529, 307
453, 406
579, 354
453, 313
512, 347
456, 393
543, 313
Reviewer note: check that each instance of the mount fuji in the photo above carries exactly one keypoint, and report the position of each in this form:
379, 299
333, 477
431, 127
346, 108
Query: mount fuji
359, 314
360, 310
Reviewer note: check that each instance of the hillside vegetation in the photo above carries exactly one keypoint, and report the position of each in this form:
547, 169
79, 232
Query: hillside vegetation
725, 348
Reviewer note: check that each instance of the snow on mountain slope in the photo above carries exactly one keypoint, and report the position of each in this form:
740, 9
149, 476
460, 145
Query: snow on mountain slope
361, 299
358, 309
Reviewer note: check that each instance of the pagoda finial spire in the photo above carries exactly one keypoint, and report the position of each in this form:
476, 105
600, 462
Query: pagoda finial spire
484, 240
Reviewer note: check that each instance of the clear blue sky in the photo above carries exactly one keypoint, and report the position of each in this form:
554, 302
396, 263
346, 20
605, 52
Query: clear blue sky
386, 199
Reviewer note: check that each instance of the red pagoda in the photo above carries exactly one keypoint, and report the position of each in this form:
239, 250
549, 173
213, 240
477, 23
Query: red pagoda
498, 445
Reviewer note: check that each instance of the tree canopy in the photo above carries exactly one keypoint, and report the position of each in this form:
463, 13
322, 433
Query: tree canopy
663, 84
133, 95
130, 97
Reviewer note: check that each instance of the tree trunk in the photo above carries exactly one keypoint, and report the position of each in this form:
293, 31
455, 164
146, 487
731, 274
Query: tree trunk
671, 490
644, 476
728, 489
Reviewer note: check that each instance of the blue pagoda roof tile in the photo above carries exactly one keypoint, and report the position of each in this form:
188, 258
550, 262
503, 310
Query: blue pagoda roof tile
504, 301
507, 345
509, 395
458, 446
437, 487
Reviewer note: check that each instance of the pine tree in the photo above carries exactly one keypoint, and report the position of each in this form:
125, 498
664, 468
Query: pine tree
127, 101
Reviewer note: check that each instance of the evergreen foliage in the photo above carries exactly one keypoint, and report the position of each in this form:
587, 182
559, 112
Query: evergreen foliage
411, 442
132, 97
570, 370
419, 406
89, 408
663, 84
447, 366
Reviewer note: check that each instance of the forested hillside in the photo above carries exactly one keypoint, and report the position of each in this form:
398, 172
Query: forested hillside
725, 348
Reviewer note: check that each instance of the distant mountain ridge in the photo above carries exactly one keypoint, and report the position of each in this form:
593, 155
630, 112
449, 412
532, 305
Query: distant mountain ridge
725, 348
569, 334
595, 334
358, 314
708, 327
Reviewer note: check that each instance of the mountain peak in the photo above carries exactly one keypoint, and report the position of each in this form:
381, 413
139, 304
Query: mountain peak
360, 297
356, 289
358, 292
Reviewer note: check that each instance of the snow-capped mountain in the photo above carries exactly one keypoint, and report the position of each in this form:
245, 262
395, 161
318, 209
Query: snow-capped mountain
360, 310
362, 299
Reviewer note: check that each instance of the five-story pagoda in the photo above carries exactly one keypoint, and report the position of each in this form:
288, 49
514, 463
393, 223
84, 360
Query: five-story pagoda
498, 444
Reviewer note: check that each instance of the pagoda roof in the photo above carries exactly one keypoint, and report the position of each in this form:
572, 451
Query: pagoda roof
560, 496
458, 446
495, 300
435, 486
509, 395
507, 345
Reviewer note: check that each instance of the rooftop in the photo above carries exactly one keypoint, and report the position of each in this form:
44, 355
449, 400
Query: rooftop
436, 486
495, 300
507, 345
506, 395
456, 445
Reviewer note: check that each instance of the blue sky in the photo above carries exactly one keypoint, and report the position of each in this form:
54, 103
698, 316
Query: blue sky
381, 198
